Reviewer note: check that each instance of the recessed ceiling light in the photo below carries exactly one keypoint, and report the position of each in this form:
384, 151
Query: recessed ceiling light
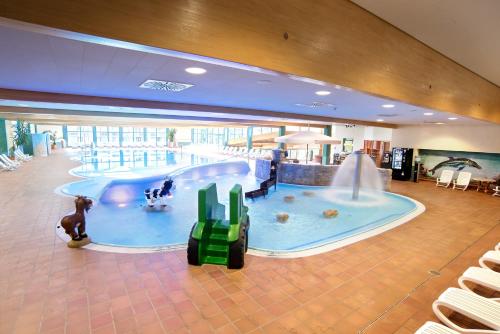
428, 113
388, 106
323, 92
196, 70
338, 87
165, 85
452, 118
439, 123
380, 120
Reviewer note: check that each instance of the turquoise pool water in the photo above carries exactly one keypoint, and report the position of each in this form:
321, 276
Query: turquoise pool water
133, 163
123, 219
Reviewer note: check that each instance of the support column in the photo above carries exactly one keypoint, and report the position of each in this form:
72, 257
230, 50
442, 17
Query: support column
282, 132
28, 146
226, 136
4, 145
94, 135
327, 148
120, 136
65, 134
36, 128
249, 137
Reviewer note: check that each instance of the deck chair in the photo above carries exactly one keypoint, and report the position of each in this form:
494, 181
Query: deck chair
9, 162
496, 191
431, 327
22, 154
445, 179
462, 181
480, 276
490, 257
19, 156
6, 167
475, 307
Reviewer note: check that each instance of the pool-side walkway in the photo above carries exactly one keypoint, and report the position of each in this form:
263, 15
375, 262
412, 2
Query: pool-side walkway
379, 285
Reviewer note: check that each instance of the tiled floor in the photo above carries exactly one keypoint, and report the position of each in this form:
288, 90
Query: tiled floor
380, 285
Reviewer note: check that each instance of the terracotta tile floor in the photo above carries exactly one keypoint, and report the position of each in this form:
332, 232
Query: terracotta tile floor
380, 285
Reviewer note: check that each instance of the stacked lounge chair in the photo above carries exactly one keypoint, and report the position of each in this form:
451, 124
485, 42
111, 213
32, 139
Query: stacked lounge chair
465, 301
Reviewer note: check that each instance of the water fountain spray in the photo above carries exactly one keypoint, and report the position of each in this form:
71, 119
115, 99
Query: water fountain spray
356, 182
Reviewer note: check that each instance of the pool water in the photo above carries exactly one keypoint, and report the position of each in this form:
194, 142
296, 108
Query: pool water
132, 163
129, 222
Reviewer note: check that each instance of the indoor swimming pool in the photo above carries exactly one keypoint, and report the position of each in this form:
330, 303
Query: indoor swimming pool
120, 216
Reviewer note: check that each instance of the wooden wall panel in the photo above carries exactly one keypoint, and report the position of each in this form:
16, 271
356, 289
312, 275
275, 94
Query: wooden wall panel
330, 40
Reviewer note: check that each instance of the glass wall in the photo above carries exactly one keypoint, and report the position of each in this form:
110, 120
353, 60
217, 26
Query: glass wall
79, 135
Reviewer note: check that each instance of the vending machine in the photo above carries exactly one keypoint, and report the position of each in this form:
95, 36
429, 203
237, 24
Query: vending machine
401, 163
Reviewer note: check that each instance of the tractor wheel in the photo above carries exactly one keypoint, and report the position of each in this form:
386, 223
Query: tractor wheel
236, 258
192, 250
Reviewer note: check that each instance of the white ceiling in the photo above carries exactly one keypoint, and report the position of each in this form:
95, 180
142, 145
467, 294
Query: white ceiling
40, 62
467, 31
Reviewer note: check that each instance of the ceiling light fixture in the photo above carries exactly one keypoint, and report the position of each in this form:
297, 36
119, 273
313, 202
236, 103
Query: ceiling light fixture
439, 123
380, 120
428, 113
388, 106
338, 87
196, 70
452, 118
323, 92
165, 85
307, 80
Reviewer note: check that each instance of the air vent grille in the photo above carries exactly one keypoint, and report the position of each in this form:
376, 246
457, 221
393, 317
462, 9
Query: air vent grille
387, 115
316, 105
165, 85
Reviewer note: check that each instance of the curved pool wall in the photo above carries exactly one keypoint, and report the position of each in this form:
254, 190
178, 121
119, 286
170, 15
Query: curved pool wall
123, 191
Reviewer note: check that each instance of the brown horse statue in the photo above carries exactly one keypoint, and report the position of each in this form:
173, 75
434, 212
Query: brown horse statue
74, 225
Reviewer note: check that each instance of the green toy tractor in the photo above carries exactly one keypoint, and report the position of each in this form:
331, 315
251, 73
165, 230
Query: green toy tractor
215, 240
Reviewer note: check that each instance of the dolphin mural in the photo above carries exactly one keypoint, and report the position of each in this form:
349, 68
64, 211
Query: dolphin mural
458, 163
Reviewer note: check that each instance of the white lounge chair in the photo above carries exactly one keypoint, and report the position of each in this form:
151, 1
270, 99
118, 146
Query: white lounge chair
8, 161
496, 191
480, 276
19, 156
480, 309
490, 256
445, 179
431, 327
6, 167
22, 154
462, 181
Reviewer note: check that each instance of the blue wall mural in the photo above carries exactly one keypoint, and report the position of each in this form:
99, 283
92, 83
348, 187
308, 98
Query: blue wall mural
485, 165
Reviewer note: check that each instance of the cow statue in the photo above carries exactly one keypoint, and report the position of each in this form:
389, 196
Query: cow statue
74, 224
161, 194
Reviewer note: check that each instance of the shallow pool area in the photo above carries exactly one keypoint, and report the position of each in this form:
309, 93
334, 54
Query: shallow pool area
121, 218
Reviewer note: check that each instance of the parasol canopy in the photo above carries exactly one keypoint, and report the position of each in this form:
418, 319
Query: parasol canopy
306, 137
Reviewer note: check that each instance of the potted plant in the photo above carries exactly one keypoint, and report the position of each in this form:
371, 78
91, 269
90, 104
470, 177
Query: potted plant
21, 135
171, 137
52, 137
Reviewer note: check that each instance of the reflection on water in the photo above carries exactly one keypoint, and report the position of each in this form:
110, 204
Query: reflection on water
104, 162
